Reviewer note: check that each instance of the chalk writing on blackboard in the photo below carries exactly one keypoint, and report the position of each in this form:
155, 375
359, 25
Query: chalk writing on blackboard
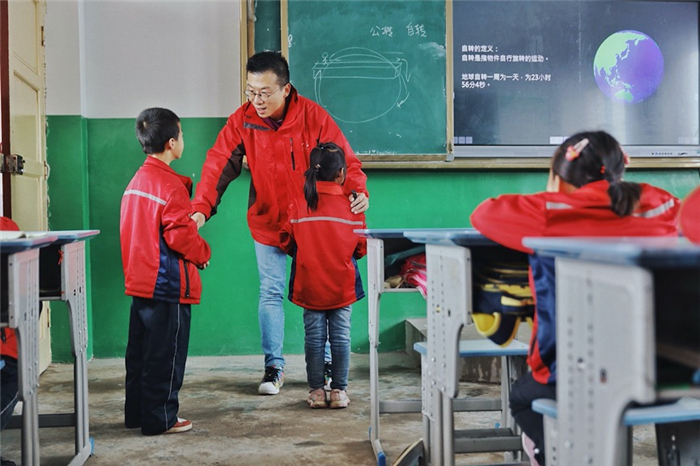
342, 77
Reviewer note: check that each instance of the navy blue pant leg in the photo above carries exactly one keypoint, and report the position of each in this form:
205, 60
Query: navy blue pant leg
9, 384
156, 355
523, 392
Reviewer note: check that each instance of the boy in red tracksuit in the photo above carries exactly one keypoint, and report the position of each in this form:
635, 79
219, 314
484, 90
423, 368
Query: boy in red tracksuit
161, 251
325, 280
585, 196
9, 377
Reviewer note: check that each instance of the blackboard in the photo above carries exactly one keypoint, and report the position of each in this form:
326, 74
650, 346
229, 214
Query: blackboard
378, 67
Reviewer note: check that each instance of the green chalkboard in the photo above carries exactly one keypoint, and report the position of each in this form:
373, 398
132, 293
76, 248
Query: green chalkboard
378, 67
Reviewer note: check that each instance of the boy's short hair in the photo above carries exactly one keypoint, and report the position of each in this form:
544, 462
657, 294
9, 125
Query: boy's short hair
269, 61
155, 127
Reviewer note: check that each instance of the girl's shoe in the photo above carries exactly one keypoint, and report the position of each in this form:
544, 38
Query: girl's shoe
339, 399
317, 398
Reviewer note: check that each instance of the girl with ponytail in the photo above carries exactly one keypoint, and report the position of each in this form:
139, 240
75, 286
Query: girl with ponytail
325, 279
585, 196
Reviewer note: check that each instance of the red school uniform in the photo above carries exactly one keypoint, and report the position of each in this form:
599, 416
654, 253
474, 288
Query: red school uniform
690, 216
277, 160
8, 342
509, 218
324, 247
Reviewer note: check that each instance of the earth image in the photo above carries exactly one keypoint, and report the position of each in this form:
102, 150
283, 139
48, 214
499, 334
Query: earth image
628, 67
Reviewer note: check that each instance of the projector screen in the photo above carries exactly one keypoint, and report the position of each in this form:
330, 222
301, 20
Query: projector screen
528, 74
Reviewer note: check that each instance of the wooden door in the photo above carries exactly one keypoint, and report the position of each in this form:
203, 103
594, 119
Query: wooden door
26, 115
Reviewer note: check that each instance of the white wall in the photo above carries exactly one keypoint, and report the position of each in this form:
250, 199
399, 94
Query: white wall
112, 59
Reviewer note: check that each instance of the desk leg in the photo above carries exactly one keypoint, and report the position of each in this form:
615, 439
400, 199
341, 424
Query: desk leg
73, 283
375, 279
512, 367
448, 430
23, 297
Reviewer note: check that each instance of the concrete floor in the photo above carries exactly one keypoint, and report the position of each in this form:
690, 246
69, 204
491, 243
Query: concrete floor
233, 425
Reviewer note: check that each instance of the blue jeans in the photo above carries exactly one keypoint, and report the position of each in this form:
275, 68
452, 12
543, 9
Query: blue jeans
272, 269
320, 326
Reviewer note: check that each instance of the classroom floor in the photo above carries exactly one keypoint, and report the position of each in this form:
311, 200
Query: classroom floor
233, 425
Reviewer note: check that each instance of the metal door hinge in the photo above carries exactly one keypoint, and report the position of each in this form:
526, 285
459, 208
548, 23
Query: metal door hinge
12, 163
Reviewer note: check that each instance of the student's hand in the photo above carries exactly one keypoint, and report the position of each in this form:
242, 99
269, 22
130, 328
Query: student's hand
199, 219
552, 183
359, 204
203, 266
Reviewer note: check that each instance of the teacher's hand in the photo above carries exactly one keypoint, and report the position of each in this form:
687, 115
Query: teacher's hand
199, 219
360, 204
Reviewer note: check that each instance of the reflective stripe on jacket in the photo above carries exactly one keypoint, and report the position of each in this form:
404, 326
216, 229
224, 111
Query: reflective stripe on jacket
159, 241
277, 162
509, 218
324, 250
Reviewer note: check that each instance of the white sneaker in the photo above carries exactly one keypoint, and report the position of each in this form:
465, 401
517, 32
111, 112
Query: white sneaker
272, 381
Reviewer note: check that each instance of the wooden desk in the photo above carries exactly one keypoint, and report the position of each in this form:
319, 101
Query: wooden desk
62, 278
628, 332
22, 275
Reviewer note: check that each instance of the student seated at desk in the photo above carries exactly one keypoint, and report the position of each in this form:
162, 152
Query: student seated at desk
690, 216
585, 196
9, 389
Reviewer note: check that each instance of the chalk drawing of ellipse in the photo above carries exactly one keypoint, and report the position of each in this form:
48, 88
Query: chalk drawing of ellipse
358, 85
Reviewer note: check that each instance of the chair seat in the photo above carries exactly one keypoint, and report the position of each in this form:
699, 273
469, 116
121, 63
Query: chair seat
480, 347
683, 410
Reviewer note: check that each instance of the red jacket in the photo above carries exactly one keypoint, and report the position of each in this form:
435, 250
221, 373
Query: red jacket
690, 216
160, 243
509, 218
277, 161
8, 340
325, 248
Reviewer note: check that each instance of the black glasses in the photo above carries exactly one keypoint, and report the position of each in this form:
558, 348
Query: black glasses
261, 95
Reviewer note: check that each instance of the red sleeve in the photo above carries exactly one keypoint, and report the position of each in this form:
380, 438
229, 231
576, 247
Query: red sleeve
222, 165
8, 347
690, 216
287, 241
6, 224
509, 218
361, 248
180, 231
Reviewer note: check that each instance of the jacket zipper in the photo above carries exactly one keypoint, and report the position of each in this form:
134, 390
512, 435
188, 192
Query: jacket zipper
187, 279
291, 148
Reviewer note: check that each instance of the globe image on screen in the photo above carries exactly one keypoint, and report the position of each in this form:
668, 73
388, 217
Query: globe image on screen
628, 67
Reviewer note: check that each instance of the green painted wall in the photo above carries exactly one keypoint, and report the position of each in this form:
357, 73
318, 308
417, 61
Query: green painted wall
93, 160
66, 155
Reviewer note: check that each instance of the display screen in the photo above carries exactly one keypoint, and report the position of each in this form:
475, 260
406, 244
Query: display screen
531, 73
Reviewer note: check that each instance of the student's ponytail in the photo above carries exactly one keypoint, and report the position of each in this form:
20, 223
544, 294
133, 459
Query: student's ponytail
593, 156
325, 161
624, 197
310, 192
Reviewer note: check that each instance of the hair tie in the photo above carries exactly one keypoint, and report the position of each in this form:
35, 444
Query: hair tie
602, 169
572, 152
317, 167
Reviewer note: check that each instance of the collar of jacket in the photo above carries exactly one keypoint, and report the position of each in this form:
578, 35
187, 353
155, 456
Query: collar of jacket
329, 187
289, 116
157, 163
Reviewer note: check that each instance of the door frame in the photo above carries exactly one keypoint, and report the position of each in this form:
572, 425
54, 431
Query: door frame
6, 208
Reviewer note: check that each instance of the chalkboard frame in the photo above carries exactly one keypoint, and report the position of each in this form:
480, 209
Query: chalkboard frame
447, 160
